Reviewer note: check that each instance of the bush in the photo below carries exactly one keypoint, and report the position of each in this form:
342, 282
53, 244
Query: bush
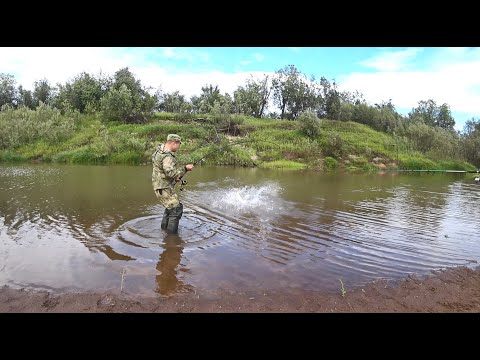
309, 124
23, 126
330, 163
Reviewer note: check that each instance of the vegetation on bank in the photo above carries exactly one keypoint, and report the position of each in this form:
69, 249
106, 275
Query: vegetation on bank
47, 135
116, 120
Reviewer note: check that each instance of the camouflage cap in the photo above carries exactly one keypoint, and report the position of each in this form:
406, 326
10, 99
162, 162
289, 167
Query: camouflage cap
174, 137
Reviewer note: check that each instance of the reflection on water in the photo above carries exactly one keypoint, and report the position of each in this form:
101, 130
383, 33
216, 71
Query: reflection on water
169, 267
71, 228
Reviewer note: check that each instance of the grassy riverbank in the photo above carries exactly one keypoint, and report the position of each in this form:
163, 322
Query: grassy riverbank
231, 140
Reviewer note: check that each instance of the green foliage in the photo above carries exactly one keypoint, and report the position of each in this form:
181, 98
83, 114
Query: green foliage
42, 92
330, 163
78, 156
293, 93
8, 90
417, 163
429, 113
262, 142
117, 105
25, 98
126, 157
455, 165
23, 125
309, 124
174, 103
334, 146
286, 164
11, 156
252, 99
82, 94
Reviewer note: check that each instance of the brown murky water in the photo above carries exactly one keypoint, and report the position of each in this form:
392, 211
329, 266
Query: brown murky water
87, 228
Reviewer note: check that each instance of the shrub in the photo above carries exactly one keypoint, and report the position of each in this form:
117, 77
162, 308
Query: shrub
309, 124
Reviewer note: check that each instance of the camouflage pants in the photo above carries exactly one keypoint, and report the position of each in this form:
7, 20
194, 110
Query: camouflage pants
167, 197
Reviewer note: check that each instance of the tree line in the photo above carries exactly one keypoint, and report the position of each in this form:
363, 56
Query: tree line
122, 97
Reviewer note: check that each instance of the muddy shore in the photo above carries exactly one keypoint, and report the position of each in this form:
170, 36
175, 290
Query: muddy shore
455, 290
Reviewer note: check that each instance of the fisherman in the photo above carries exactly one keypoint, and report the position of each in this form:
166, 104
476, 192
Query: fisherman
166, 173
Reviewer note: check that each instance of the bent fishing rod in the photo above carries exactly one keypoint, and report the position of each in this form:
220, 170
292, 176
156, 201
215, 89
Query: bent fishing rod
184, 182
211, 152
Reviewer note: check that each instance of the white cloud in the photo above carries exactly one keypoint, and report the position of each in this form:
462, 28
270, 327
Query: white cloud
391, 60
58, 65
452, 78
190, 84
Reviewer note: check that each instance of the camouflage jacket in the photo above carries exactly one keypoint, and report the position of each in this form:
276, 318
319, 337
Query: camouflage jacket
165, 169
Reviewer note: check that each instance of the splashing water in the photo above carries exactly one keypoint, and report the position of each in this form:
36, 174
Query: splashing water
254, 200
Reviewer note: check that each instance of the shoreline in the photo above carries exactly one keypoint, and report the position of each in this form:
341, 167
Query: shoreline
454, 290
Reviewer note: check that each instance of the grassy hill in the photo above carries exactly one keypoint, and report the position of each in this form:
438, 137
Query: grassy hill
230, 140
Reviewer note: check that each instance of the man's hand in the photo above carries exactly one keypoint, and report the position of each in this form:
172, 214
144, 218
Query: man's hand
188, 167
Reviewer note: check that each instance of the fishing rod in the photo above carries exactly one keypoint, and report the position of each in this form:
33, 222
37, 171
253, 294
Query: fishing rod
211, 152
444, 171
477, 178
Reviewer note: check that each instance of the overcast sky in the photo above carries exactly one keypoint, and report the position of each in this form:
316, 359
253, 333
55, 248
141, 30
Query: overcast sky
404, 75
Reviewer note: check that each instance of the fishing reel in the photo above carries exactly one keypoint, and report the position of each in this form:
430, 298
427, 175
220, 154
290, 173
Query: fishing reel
182, 184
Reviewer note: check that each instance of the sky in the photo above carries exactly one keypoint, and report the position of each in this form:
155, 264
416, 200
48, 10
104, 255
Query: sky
403, 75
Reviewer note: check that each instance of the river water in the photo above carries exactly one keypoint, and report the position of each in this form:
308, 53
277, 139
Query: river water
70, 228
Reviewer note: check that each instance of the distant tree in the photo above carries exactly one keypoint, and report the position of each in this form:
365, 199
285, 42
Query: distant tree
42, 92
82, 93
117, 104
210, 99
209, 95
429, 113
472, 127
444, 118
8, 90
330, 105
25, 98
142, 102
426, 112
293, 93
252, 98
173, 102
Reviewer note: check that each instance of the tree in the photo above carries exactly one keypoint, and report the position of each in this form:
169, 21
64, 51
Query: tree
211, 99
444, 118
8, 90
429, 113
252, 99
82, 93
174, 102
292, 92
25, 98
42, 92
330, 105
472, 127
117, 104
142, 102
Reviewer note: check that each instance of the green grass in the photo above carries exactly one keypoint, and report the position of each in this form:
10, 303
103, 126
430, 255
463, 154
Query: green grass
284, 164
346, 146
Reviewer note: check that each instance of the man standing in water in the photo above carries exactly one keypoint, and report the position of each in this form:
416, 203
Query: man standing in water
165, 175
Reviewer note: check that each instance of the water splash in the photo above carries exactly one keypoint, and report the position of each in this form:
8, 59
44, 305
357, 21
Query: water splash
262, 200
